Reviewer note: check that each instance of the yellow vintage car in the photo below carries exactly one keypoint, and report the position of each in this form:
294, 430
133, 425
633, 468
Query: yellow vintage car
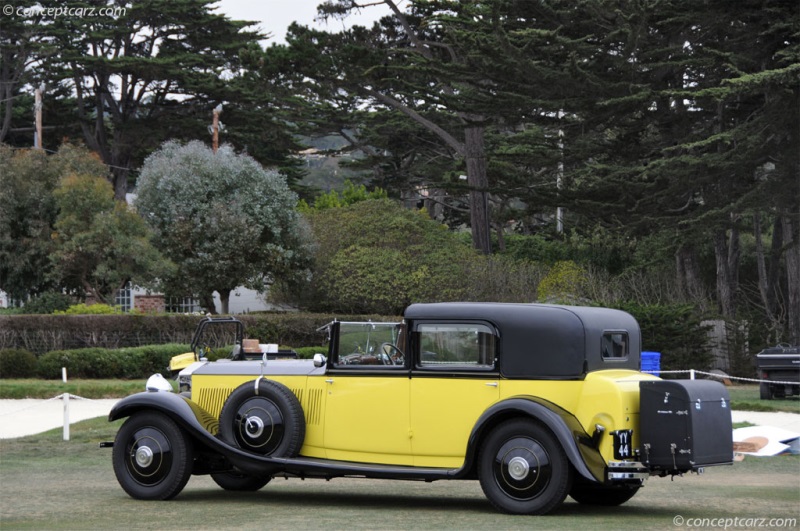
536, 402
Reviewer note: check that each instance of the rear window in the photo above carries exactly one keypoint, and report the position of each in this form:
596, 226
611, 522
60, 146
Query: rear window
615, 345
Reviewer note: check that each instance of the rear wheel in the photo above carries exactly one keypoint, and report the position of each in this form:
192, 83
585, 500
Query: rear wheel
152, 457
602, 495
765, 391
523, 469
237, 481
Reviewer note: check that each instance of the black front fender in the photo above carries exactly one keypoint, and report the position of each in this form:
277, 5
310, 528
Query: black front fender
573, 438
198, 424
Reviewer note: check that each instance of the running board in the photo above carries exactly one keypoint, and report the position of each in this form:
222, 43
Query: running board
315, 467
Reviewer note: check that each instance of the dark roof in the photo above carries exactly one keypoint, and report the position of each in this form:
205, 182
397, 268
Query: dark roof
543, 340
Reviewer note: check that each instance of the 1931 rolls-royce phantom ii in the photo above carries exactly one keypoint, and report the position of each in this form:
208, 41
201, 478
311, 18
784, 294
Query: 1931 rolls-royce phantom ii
536, 402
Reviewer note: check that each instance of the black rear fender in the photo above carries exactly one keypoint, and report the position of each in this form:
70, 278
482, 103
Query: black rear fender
577, 444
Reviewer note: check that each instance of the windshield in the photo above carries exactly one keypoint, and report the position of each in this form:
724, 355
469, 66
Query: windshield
370, 344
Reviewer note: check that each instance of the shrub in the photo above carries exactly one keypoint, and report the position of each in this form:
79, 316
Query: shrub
91, 309
674, 330
48, 302
565, 283
306, 353
124, 363
17, 363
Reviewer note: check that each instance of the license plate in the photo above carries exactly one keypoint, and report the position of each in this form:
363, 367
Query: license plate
623, 440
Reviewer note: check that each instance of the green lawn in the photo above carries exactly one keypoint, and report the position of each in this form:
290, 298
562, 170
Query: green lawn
93, 389
46, 483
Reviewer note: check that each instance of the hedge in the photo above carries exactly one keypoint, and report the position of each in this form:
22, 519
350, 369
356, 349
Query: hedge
124, 363
44, 333
17, 363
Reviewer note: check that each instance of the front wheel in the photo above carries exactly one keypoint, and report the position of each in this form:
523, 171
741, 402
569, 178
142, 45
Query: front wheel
523, 469
152, 457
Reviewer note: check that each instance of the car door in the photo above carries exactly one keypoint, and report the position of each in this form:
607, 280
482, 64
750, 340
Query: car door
453, 382
367, 386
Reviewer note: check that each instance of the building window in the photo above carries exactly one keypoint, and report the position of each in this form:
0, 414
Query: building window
123, 298
183, 305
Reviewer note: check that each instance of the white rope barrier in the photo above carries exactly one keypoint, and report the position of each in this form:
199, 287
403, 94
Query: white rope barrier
693, 372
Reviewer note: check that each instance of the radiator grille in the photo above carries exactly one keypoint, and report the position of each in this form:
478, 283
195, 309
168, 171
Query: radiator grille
212, 399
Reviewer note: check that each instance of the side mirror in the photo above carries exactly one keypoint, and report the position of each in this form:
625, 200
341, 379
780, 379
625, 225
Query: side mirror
319, 360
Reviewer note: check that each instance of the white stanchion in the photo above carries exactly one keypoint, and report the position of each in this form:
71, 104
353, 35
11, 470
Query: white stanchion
66, 405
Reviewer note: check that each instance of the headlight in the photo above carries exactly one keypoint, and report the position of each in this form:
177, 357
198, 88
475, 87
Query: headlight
158, 383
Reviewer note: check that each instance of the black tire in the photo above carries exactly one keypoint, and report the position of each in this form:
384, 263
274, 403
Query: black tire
765, 391
607, 496
239, 482
268, 422
152, 456
523, 469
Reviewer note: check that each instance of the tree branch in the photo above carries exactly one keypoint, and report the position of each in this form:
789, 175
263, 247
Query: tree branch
451, 141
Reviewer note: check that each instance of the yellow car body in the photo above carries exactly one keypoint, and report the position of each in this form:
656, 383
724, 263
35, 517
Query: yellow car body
537, 402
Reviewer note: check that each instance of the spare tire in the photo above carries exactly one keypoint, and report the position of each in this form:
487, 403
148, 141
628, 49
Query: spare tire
263, 417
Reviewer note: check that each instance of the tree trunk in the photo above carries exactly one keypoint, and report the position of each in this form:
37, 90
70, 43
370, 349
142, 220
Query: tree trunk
119, 179
727, 258
686, 271
224, 299
791, 238
207, 302
475, 155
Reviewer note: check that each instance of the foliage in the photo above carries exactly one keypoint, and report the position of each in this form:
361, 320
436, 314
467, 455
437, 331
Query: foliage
88, 309
349, 195
307, 353
377, 257
17, 363
148, 70
48, 302
224, 220
498, 278
28, 210
674, 330
125, 363
101, 244
564, 283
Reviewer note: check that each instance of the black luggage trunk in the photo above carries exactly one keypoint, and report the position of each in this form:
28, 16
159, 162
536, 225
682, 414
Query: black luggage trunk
684, 425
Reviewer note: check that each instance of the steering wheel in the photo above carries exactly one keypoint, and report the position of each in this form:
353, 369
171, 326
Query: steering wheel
390, 359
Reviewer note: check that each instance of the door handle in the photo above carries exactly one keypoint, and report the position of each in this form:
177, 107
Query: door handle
492, 384
329, 381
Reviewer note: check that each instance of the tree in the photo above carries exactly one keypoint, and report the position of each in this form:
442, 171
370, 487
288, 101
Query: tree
154, 71
374, 256
406, 65
223, 219
100, 244
28, 212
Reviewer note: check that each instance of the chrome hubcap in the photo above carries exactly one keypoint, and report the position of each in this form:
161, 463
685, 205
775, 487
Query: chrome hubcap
518, 468
254, 426
144, 456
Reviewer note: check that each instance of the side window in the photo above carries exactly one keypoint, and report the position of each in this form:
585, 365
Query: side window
614, 345
456, 346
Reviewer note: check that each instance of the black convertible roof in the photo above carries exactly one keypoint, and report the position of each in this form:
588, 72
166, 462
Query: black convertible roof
544, 340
